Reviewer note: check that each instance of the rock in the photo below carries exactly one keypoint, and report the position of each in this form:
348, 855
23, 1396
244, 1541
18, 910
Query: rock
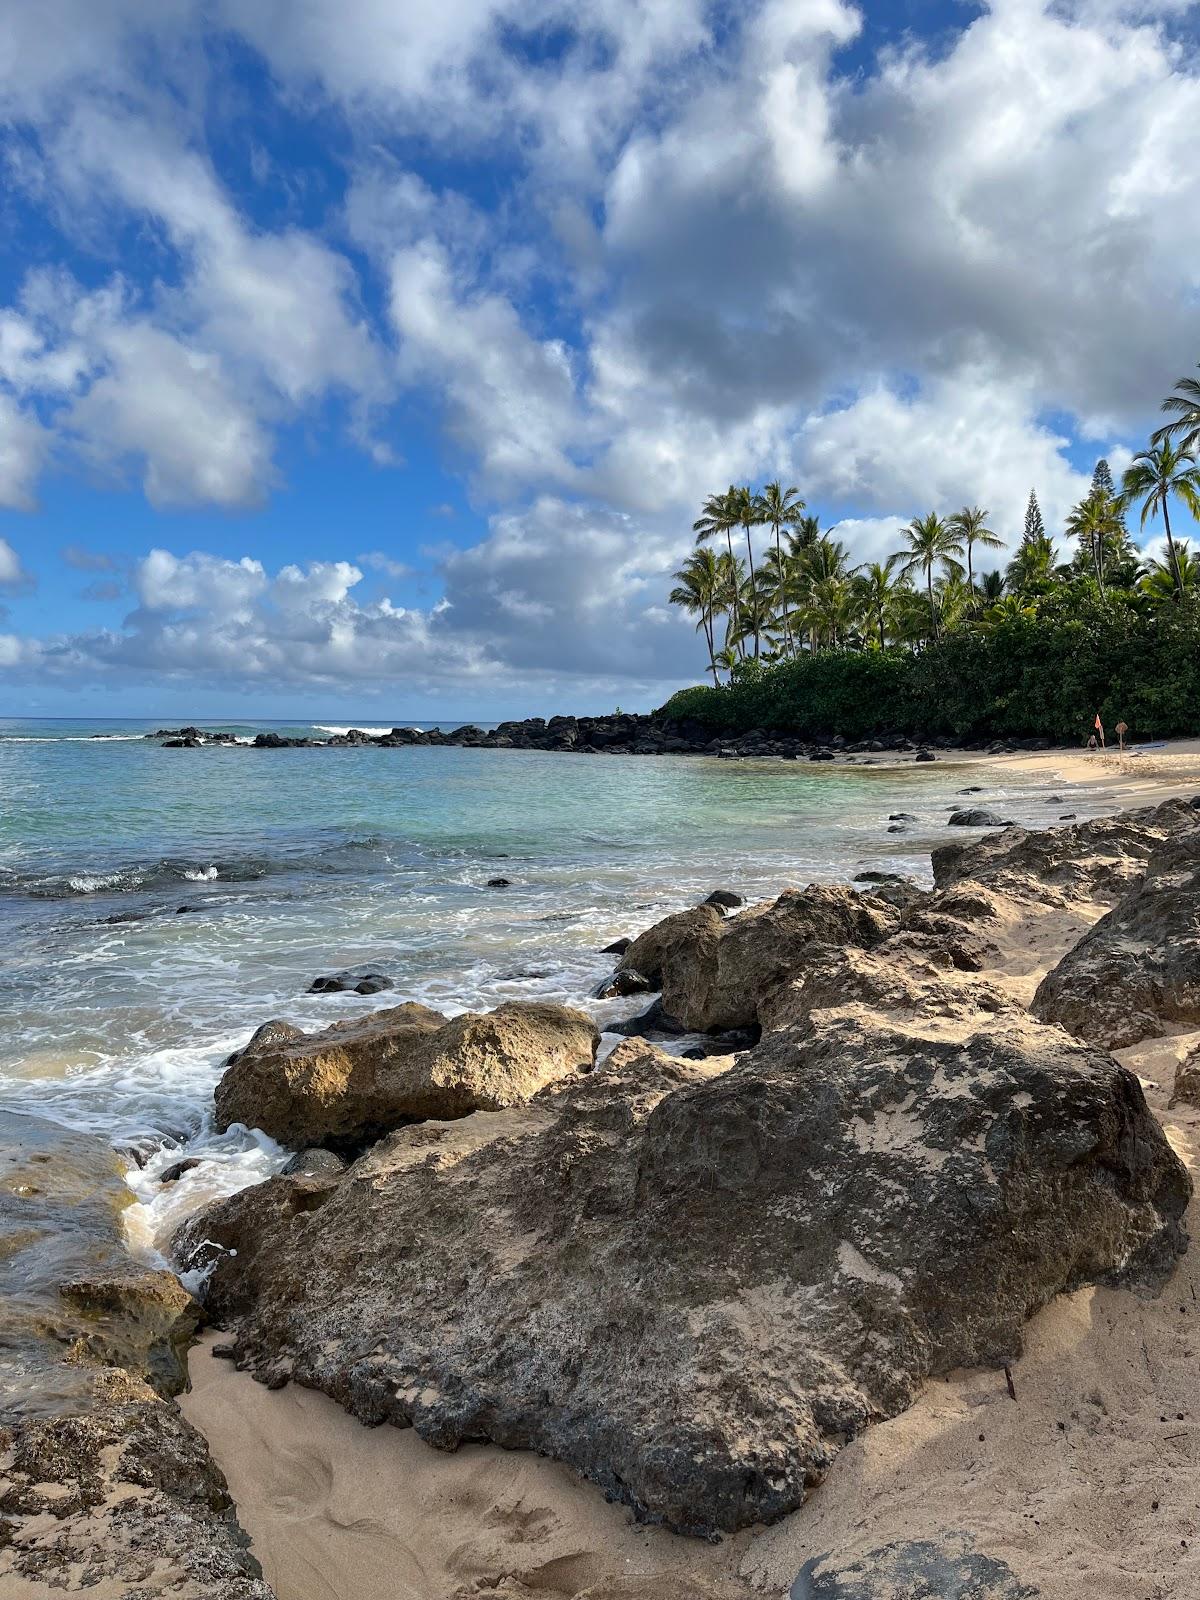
351, 1082
105, 1488
926, 755
692, 929
717, 981
651, 1023
136, 1318
499, 883
903, 816
976, 817
897, 827
1091, 860
617, 948
1187, 1081
1137, 971
351, 983
913, 1570
173, 1174
625, 981
724, 899
893, 888
314, 1163
972, 788
826, 1224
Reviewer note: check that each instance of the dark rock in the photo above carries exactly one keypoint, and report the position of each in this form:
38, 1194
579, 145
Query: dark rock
173, 1174
919, 1570
903, 816
350, 983
617, 948
499, 883
976, 817
724, 899
625, 981
846, 1212
926, 755
651, 1023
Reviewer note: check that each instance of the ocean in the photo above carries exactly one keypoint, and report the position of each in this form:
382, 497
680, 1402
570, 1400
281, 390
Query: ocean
157, 905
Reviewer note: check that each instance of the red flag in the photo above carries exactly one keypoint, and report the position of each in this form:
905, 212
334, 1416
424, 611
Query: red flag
1099, 724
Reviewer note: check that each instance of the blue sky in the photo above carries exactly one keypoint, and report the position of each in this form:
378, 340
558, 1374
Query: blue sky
368, 360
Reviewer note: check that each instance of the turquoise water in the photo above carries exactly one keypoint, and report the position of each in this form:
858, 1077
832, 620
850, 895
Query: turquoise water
118, 1010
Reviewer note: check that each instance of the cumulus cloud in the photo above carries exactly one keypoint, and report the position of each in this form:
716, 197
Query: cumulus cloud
12, 573
658, 248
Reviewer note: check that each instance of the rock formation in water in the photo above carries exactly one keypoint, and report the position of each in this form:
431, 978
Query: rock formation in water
357, 1079
105, 1488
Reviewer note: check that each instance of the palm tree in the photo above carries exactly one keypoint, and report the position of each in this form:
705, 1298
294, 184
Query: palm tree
1009, 608
970, 526
877, 587
1184, 405
717, 516
1155, 475
698, 589
781, 507
1096, 523
991, 588
726, 659
804, 535
931, 542
747, 508
1032, 565
1159, 581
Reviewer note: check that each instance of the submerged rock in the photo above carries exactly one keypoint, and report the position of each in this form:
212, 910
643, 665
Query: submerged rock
1137, 971
976, 817
350, 983
355, 1080
693, 1285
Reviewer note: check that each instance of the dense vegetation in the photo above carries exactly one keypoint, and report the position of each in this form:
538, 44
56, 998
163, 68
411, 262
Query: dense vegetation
803, 640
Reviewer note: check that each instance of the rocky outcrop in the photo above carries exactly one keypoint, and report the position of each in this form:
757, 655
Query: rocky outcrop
104, 1487
356, 1080
715, 971
694, 1285
1137, 970
350, 983
1100, 859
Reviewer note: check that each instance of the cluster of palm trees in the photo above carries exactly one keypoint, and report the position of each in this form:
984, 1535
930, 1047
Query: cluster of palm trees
804, 593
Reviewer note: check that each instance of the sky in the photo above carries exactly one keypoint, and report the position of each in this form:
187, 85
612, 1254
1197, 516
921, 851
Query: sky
373, 359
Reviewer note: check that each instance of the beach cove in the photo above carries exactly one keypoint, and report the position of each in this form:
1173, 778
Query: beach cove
319, 1495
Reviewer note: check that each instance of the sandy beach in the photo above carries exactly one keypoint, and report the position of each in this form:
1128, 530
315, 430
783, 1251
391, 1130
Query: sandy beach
1087, 1482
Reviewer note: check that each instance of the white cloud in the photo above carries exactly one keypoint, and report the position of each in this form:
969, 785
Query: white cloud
199, 582
12, 573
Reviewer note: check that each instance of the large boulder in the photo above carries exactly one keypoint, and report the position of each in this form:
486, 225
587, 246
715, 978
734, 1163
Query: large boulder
692, 930
354, 1081
721, 980
1137, 971
1100, 859
695, 1285
919, 1569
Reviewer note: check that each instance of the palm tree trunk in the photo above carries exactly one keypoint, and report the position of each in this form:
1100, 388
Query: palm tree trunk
932, 609
750, 558
1171, 548
881, 643
710, 637
787, 632
971, 571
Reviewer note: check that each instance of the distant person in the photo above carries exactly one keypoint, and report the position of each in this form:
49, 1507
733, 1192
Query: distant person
1091, 744
1122, 730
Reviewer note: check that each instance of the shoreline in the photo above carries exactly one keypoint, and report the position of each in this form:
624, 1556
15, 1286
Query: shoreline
1100, 1368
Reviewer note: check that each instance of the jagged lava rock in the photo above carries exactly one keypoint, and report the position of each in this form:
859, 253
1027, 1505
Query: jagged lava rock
694, 929
718, 980
1137, 970
358, 1079
1088, 860
696, 1286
